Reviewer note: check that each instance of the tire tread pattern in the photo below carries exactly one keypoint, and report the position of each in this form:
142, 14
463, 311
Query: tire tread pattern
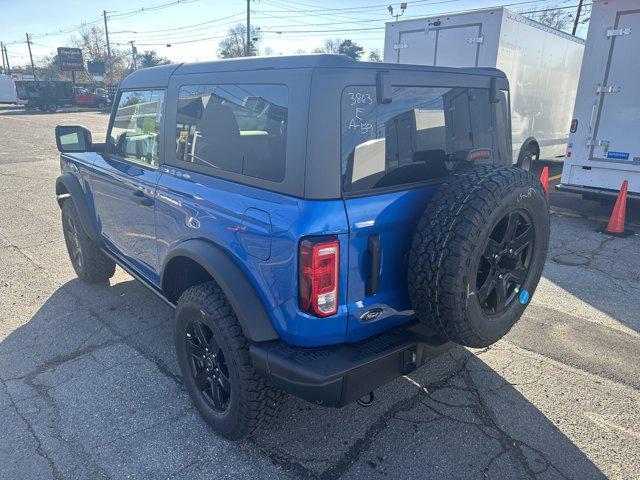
97, 267
259, 401
444, 240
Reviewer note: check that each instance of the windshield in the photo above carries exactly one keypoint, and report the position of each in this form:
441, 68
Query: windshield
417, 136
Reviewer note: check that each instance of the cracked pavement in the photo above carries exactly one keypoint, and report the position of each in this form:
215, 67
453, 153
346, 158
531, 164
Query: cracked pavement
90, 388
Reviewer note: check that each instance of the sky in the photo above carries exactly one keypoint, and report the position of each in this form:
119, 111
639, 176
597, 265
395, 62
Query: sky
195, 27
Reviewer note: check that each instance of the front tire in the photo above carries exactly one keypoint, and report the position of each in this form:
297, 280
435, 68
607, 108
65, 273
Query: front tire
87, 259
213, 355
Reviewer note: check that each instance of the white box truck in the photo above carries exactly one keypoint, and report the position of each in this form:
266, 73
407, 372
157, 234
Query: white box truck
541, 63
604, 143
8, 90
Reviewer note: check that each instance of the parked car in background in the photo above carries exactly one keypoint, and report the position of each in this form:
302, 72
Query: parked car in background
84, 97
541, 63
604, 144
320, 225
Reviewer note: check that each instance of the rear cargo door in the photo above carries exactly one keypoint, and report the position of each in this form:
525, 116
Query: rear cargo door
451, 46
458, 46
393, 157
615, 134
416, 47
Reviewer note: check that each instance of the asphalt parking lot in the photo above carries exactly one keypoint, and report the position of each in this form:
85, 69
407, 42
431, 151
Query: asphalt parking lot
90, 388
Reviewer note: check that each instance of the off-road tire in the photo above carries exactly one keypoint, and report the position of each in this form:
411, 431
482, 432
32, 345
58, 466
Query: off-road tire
252, 402
94, 265
450, 240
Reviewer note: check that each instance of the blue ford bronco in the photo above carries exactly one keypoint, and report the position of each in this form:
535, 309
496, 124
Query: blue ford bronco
321, 226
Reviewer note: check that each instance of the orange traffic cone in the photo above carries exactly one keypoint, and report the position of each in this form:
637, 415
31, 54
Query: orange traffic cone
615, 226
544, 179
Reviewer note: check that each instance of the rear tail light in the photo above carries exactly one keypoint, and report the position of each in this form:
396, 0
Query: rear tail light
574, 125
478, 153
318, 270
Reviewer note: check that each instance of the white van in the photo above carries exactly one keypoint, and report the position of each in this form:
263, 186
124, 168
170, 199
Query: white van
604, 143
541, 64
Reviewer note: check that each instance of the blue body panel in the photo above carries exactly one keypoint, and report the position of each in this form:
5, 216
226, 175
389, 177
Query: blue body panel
260, 231
393, 217
123, 194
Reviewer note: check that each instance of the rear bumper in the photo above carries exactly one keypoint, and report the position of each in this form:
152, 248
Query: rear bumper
594, 192
337, 375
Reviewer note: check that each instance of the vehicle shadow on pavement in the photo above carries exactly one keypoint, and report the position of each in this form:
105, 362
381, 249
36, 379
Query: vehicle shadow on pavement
90, 388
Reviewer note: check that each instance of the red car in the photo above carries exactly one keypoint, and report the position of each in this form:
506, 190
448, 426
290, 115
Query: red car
85, 98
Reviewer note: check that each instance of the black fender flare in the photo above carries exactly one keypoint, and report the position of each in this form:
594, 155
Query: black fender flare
243, 297
529, 144
68, 183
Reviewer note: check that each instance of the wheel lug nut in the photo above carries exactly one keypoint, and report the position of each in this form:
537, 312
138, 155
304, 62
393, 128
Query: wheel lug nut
500, 276
511, 250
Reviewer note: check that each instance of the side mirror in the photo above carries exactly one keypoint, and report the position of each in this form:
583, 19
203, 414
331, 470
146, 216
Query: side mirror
73, 138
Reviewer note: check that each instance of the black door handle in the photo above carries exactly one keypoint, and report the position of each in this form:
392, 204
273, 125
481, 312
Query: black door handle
374, 255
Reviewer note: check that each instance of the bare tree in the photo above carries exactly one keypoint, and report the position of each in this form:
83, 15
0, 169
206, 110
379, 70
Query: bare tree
374, 55
233, 45
554, 18
331, 45
344, 46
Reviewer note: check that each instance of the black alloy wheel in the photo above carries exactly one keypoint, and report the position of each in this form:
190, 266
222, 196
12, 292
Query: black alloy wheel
505, 263
208, 366
74, 243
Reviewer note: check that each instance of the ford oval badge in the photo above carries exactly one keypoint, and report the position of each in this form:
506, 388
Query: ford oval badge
370, 315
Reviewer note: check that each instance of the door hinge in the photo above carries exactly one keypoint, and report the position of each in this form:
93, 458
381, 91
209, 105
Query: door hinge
612, 32
479, 39
598, 143
400, 46
607, 89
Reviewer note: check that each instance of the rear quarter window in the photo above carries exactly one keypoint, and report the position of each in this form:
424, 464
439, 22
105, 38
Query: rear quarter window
413, 138
234, 128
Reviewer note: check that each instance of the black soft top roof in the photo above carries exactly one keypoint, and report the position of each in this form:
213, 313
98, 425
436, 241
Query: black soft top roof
159, 76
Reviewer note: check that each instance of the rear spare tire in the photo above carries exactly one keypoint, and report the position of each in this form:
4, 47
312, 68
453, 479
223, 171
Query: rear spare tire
478, 253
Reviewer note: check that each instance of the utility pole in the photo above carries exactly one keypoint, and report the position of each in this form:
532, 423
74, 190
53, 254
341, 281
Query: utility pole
33, 68
577, 20
6, 55
247, 46
106, 34
134, 51
4, 65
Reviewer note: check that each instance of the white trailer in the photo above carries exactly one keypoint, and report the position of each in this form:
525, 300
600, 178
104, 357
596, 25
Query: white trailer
604, 143
8, 90
541, 63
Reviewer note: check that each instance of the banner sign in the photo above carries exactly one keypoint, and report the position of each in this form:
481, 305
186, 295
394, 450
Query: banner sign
70, 59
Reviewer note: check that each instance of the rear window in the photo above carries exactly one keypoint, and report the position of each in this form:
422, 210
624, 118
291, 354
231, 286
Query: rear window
413, 138
234, 128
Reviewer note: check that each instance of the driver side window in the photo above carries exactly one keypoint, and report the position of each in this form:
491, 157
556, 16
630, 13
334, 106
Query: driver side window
135, 132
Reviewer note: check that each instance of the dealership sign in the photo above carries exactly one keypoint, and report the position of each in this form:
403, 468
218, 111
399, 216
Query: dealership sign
70, 59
